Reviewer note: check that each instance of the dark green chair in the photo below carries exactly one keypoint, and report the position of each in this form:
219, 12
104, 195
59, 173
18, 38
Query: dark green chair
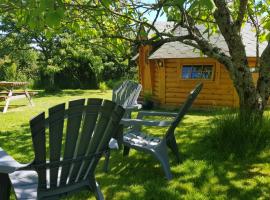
136, 139
67, 146
125, 95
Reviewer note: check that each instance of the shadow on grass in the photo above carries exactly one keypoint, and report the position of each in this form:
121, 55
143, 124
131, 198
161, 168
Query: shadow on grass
61, 93
18, 143
67, 93
203, 173
201, 111
234, 178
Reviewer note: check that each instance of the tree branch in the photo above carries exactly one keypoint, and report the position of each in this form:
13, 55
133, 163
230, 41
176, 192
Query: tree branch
242, 11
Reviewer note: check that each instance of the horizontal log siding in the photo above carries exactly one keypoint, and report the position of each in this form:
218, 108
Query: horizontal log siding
216, 92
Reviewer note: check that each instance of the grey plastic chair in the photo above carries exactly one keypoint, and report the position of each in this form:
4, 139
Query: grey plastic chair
136, 139
125, 95
65, 158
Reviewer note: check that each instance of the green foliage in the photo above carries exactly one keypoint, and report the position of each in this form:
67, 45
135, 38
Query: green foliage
147, 96
103, 86
233, 136
72, 53
112, 83
18, 66
7, 69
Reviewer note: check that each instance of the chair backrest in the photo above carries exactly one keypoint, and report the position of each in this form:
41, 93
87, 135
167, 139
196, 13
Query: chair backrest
183, 109
69, 143
127, 93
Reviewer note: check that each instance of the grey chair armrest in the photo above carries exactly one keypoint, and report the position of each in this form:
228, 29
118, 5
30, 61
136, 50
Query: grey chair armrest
134, 107
155, 113
139, 122
7, 163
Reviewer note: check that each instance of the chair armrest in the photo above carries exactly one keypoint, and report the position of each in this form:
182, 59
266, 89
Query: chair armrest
7, 163
141, 114
134, 107
139, 122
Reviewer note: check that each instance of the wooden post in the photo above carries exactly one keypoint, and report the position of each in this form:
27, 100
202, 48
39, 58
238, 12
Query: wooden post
4, 187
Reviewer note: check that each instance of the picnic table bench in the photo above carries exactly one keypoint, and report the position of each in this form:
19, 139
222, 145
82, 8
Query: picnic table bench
9, 94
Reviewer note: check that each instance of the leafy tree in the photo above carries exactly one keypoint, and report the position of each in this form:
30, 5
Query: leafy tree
126, 19
18, 61
67, 42
218, 16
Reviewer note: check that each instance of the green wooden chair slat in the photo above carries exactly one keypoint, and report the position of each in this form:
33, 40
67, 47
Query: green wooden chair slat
96, 136
38, 127
88, 131
90, 118
56, 125
74, 117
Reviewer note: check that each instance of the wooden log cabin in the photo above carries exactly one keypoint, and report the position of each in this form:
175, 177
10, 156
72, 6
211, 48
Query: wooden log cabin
171, 71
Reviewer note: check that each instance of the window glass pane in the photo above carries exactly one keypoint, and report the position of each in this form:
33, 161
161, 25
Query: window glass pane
207, 72
186, 72
197, 71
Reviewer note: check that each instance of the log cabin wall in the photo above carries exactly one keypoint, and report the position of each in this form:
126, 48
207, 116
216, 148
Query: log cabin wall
170, 90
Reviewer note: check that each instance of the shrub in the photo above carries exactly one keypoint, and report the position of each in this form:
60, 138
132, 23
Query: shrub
234, 137
112, 83
103, 87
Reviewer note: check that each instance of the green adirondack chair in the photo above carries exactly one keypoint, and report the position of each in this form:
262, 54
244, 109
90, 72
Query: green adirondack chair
67, 146
125, 95
138, 140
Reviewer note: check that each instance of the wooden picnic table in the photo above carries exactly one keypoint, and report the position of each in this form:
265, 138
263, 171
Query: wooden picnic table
9, 94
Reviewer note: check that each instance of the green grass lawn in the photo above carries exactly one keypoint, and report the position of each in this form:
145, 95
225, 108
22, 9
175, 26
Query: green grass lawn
203, 173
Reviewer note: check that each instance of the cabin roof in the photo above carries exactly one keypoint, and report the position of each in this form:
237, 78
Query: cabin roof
180, 50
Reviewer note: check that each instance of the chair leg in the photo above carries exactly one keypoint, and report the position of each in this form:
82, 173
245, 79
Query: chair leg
106, 162
126, 151
96, 189
5, 187
171, 143
119, 136
162, 155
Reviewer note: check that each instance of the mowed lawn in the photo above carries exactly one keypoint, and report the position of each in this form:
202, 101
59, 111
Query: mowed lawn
203, 173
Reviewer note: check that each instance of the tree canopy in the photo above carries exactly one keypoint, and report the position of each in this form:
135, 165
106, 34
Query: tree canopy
117, 22
69, 41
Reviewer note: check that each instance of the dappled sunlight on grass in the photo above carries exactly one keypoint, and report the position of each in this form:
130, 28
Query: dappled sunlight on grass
202, 174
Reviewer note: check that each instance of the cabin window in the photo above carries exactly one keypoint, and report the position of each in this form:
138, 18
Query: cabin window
197, 72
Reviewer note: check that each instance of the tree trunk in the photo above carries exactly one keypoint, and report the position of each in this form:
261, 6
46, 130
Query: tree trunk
250, 98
